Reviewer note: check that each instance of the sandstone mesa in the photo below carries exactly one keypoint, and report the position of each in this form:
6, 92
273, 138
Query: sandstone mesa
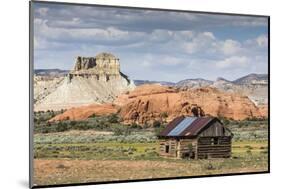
93, 80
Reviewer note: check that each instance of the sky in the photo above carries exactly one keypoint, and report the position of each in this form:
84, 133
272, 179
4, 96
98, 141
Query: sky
151, 45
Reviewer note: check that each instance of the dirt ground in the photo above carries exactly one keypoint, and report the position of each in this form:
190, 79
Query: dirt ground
49, 172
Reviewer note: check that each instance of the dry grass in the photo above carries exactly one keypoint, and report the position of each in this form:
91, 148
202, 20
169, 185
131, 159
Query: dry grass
78, 171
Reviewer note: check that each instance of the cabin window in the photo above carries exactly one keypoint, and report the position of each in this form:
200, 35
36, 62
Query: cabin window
215, 141
167, 148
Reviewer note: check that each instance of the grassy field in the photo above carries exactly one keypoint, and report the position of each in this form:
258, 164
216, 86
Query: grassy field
95, 152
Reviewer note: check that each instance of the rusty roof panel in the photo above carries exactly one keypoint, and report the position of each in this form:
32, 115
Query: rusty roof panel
196, 126
171, 126
191, 128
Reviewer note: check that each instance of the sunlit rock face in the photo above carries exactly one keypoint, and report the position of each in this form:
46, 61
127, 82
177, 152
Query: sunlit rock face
93, 80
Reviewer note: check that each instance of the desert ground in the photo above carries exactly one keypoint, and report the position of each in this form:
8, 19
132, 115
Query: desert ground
102, 149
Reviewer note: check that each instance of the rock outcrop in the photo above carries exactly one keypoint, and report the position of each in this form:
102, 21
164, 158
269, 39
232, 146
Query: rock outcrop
92, 80
103, 65
84, 112
148, 103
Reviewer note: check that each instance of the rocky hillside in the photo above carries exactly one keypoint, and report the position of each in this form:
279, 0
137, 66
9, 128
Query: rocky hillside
44, 85
93, 80
252, 79
194, 83
155, 102
255, 86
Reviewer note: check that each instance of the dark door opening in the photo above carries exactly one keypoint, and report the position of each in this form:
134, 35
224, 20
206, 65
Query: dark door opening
167, 148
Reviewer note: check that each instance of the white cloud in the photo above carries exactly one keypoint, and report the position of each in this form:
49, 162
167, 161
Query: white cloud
262, 41
230, 47
203, 41
111, 34
177, 43
234, 62
171, 61
259, 42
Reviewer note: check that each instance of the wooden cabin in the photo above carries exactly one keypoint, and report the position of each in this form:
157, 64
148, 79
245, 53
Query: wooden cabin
196, 138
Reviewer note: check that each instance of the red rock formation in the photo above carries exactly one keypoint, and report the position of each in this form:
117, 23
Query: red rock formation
84, 112
148, 103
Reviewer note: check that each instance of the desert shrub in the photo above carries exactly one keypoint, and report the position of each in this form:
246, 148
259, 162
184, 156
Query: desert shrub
102, 124
156, 124
249, 147
158, 130
52, 113
45, 130
61, 127
130, 153
164, 115
249, 151
224, 120
113, 118
93, 116
240, 125
72, 123
135, 126
118, 131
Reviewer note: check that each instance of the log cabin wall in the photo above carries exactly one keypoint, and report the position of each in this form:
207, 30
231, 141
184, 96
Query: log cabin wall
214, 147
168, 147
187, 148
216, 129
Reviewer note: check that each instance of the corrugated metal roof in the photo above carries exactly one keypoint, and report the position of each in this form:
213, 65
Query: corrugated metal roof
171, 125
196, 126
186, 126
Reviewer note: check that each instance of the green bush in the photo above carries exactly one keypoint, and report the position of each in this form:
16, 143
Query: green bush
61, 127
135, 126
118, 131
156, 124
113, 118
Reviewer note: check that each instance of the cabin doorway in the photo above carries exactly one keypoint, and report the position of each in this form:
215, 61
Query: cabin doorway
167, 148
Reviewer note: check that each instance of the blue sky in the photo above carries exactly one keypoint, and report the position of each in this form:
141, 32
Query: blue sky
151, 45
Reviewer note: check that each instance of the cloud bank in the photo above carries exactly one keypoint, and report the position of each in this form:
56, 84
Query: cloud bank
155, 45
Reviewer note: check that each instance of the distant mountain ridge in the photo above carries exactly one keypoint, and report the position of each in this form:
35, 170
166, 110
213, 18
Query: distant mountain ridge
255, 86
252, 79
142, 82
194, 83
50, 72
